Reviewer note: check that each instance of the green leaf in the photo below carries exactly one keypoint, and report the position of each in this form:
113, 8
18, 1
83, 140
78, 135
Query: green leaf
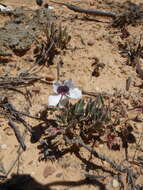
93, 108
88, 107
79, 107
99, 102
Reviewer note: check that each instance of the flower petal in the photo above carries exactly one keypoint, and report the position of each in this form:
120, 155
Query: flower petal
53, 100
50, 7
56, 84
69, 83
75, 93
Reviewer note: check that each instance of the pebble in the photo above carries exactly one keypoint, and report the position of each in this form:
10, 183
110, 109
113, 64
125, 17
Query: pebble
115, 183
91, 42
59, 174
3, 146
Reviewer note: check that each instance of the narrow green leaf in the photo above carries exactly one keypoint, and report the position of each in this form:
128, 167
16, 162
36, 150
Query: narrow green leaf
79, 108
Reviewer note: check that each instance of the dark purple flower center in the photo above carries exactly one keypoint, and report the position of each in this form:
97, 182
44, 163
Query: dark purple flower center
63, 90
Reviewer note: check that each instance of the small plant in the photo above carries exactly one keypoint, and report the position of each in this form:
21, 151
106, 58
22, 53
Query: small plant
55, 42
86, 119
131, 14
133, 51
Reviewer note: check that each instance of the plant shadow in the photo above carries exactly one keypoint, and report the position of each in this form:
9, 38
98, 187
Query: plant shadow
27, 182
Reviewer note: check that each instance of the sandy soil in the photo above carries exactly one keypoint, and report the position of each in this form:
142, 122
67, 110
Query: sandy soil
91, 42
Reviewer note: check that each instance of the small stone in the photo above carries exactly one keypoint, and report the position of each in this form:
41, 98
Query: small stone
91, 42
115, 183
59, 174
3, 146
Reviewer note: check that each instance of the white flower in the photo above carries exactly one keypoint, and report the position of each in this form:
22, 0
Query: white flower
50, 7
63, 91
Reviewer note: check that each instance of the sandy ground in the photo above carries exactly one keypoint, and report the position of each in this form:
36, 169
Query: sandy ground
90, 41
